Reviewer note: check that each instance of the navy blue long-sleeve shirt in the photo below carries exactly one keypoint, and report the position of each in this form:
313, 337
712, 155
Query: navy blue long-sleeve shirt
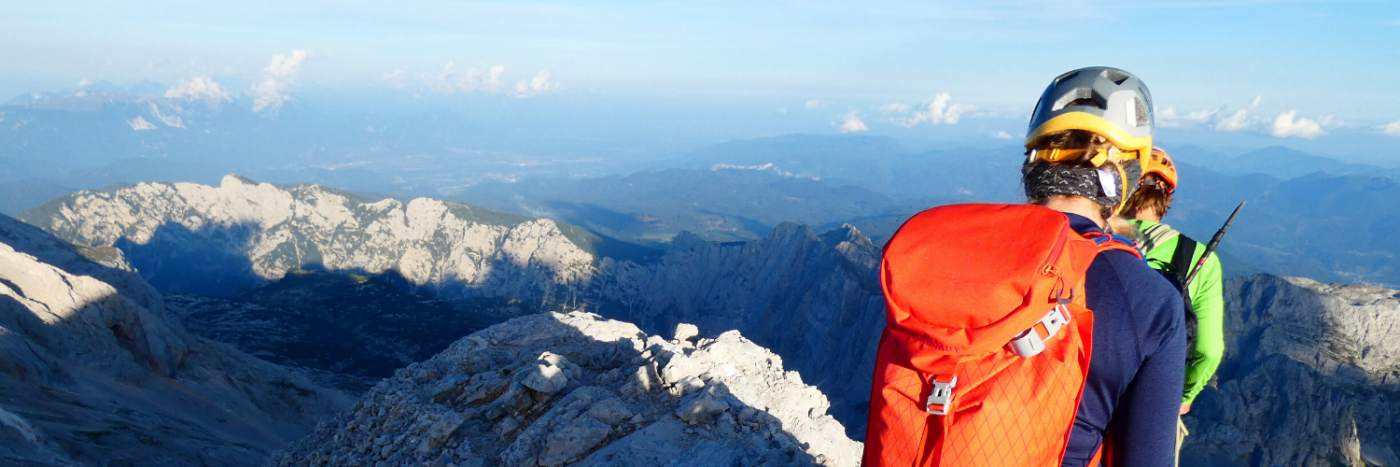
1136, 373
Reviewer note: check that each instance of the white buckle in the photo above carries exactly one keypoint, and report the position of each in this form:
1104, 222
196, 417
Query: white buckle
1029, 343
941, 396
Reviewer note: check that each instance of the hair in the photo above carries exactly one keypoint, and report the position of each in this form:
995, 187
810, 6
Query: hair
1073, 139
1149, 197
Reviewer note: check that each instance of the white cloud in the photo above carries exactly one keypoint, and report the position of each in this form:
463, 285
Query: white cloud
538, 85
896, 108
283, 65
139, 124
852, 124
1285, 126
937, 112
82, 83
269, 92
199, 88
1001, 135
1392, 128
451, 80
1240, 119
394, 79
1235, 122
815, 104
1168, 118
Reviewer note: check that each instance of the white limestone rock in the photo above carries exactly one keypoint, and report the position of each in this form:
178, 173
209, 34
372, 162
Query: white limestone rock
593, 420
93, 373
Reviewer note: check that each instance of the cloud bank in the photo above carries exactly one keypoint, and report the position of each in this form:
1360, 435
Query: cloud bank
1392, 128
200, 88
1285, 126
1240, 119
472, 79
937, 112
852, 124
269, 92
540, 84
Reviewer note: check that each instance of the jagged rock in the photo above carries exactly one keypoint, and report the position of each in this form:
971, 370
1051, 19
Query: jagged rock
686, 332
814, 299
592, 420
93, 373
702, 407
1311, 377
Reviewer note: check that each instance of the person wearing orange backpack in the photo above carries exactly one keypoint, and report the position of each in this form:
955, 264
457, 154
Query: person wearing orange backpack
1027, 335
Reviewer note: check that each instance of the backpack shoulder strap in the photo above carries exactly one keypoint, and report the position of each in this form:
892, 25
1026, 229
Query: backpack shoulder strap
1182, 257
1107, 241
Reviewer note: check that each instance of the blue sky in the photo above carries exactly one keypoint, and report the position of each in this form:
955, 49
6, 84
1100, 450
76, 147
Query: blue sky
825, 66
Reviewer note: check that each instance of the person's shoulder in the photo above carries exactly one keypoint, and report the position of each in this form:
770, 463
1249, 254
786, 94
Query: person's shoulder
1149, 292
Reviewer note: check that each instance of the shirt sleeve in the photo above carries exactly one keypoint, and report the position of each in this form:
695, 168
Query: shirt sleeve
1208, 301
1143, 430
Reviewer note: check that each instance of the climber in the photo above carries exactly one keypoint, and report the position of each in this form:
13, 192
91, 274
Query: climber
1174, 254
988, 305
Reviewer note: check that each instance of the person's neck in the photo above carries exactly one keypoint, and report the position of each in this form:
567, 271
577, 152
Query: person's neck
1150, 215
1077, 205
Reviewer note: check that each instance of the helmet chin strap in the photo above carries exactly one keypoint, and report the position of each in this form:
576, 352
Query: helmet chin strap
1123, 196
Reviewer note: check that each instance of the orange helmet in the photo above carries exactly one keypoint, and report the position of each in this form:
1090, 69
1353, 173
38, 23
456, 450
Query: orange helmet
1161, 164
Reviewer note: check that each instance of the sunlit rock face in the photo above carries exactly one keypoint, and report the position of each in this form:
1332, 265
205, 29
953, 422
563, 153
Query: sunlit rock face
186, 237
812, 298
93, 373
1311, 377
575, 389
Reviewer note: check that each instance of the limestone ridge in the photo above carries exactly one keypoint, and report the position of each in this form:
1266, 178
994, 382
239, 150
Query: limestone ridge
241, 234
814, 299
575, 389
92, 373
1311, 377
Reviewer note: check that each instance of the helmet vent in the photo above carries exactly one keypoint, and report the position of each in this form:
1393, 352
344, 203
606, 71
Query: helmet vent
1142, 113
1066, 77
1116, 76
1080, 97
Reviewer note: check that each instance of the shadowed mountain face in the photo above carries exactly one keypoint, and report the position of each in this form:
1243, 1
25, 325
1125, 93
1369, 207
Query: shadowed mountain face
799, 293
351, 329
92, 372
1311, 377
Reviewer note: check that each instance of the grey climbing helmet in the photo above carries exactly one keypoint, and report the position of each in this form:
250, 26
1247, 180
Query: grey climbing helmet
1105, 101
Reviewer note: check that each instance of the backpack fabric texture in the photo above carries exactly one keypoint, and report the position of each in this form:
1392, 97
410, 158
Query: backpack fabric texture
987, 341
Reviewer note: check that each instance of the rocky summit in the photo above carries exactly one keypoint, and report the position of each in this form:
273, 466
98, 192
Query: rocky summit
1311, 377
93, 373
578, 390
812, 298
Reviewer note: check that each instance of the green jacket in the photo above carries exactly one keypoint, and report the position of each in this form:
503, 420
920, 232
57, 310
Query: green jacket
1207, 300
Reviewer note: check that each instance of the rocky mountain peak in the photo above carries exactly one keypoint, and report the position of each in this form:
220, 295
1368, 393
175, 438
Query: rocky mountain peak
93, 372
575, 389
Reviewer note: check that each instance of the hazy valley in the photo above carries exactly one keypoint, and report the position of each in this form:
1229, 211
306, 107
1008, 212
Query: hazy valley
718, 303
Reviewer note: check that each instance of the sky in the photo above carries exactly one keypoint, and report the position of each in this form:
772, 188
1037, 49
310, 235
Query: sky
1230, 72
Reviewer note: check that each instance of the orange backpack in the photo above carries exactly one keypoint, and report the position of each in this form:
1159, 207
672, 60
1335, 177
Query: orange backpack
987, 338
